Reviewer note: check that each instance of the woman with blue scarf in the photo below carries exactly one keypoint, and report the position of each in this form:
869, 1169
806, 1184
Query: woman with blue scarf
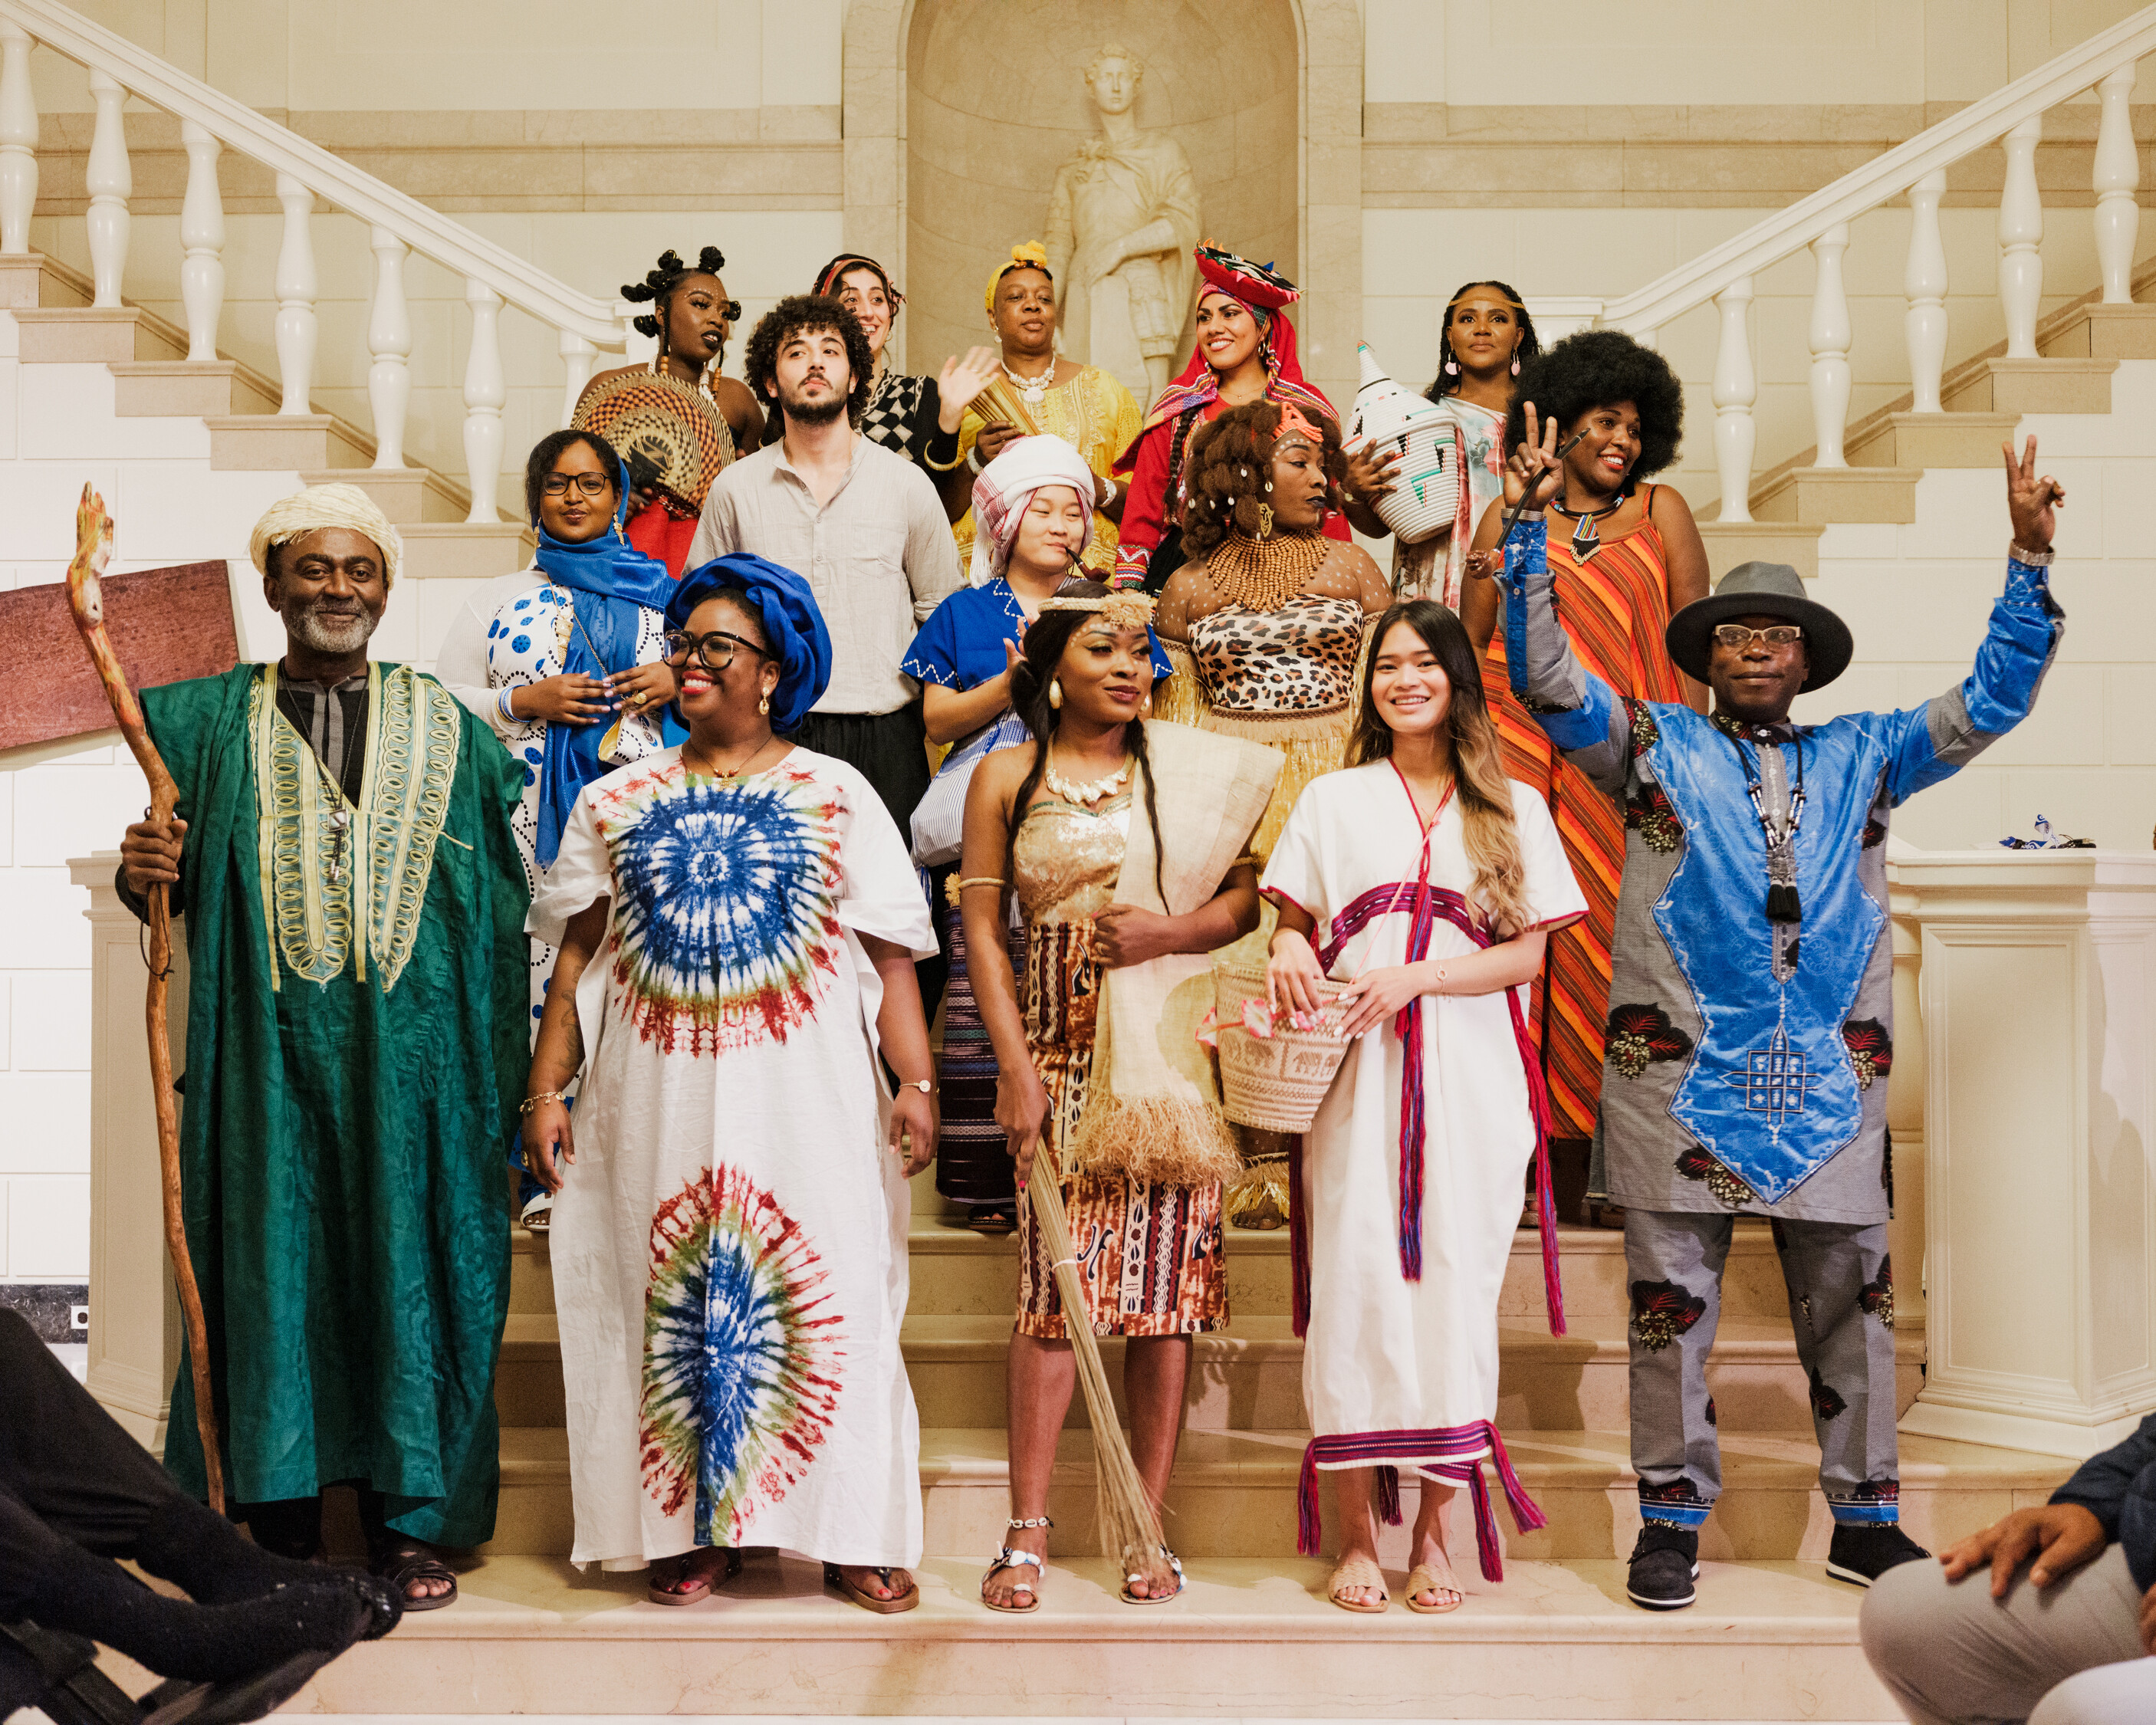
565, 661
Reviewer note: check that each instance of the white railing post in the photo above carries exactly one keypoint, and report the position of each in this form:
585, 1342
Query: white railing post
2021, 233
1736, 387
110, 181
202, 238
296, 298
2117, 177
485, 395
389, 340
1830, 340
578, 356
1925, 284
19, 140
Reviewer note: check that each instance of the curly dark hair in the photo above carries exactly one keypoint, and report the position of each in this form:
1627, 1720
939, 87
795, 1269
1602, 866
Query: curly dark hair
1227, 463
812, 312
1593, 369
1448, 383
659, 284
548, 450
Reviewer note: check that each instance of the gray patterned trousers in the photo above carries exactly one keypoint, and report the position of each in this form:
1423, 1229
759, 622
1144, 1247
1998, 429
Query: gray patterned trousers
1841, 1306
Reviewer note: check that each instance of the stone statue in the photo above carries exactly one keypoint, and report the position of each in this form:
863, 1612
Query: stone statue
1121, 221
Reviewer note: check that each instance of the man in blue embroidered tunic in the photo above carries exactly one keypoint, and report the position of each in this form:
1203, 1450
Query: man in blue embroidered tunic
354, 912
1751, 995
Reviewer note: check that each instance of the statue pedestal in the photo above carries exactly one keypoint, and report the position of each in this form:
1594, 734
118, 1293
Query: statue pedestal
135, 1345
2038, 983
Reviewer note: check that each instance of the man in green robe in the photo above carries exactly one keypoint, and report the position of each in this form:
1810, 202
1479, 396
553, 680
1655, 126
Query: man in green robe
354, 913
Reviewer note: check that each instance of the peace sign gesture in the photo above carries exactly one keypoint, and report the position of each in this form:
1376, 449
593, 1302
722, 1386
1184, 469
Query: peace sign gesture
1533, 471
2033, 502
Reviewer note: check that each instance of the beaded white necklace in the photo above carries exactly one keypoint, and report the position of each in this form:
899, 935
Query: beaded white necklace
1086, 795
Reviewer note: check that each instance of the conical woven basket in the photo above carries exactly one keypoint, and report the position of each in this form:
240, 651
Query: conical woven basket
1274, 1082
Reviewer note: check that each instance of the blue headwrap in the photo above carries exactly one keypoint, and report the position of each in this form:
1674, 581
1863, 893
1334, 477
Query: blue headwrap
610, 583
793, 627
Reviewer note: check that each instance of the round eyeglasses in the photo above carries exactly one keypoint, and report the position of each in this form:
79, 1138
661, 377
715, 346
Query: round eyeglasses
1737, 636
714, 651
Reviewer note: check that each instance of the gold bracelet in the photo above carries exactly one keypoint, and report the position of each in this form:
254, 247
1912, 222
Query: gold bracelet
544, 1096
980, 880
935, 466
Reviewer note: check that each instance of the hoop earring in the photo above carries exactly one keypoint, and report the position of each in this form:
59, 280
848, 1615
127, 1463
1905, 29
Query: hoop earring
1055, 692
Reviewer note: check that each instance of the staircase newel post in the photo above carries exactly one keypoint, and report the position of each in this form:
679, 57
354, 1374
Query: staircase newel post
1830, 342
295, 297
1924, 284
202, 238
389, 340
1735, 388
578, 356
2021, 233
485, 395
2117, 177
19, 140
110, 181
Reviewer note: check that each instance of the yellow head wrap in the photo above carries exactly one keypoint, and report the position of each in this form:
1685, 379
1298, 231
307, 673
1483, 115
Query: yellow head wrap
1032, 255
320, 506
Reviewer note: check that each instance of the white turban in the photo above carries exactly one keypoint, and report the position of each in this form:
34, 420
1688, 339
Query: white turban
1005, 488
320, 506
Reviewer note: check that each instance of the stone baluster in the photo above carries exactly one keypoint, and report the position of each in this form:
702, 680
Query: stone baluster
578, 356
1736, 387
389, 340
295, 326
19, 140
2117, 177
486, 393
2021, 233
1925, 284
202, 238
1830, 340
110, 181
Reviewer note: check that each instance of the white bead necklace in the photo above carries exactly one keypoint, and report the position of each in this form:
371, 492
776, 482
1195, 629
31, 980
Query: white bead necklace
1034, 389
1087, 794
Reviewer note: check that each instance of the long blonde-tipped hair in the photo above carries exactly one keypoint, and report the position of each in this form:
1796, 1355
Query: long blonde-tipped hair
1485, 795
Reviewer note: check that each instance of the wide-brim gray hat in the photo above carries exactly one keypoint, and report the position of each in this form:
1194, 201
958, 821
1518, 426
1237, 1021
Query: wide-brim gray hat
1762, 590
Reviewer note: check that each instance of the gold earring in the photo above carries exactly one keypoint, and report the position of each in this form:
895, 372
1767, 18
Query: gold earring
1264, 520
1055, 691
764, 705
1145, 706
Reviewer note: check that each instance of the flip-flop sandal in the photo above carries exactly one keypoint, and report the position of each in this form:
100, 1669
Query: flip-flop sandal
1358, 1572
834, 1577
1009, 1559
537, 1216
400, 1566
1130, 1575
700, 1586
1424, 1579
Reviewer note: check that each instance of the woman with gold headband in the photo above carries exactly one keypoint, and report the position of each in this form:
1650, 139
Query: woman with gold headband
1035, 392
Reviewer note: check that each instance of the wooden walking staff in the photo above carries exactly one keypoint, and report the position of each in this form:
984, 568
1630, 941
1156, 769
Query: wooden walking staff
93, 551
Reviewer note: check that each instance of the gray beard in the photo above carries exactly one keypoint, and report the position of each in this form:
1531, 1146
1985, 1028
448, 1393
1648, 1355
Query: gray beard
319, 634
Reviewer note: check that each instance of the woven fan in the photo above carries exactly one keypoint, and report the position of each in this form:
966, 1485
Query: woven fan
670, 425
999, 400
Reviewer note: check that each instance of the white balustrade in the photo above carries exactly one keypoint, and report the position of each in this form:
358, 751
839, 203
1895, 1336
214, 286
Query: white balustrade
1925, 284
202, 238
1735, 388
295, 329
2117, 177
110, 181
389, 340
485, 395
1830, 343
2021, 233
19, 140
578, 356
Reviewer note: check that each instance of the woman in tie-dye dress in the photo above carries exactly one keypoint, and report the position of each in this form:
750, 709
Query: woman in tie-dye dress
738, 920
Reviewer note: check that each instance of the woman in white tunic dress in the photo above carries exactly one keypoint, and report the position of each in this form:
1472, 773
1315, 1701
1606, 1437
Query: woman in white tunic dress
1424, 876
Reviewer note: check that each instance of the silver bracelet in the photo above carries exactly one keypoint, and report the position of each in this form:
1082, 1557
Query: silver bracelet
973, 459
2031, 559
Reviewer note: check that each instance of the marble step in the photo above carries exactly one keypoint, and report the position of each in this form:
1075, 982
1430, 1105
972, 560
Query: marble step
1233, 1494
1250, 1638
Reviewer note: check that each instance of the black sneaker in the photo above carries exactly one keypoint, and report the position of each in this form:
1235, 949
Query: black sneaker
1665, 1564
1864, 1551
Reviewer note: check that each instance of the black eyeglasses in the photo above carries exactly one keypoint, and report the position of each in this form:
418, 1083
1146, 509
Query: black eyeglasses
714, 651
591, 484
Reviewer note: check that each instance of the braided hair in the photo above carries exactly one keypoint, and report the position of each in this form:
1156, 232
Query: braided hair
1446, 383
659, 284
1230, 462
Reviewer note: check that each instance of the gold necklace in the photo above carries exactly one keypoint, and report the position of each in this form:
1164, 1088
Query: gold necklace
718, 771
1086, 795
1264, 574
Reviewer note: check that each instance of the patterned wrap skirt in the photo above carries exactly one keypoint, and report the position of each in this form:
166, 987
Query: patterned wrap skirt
974, 1164
1149, 1256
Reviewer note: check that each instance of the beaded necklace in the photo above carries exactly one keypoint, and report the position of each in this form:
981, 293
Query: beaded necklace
1264, 574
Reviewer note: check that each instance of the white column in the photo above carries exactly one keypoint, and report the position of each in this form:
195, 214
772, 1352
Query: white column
202, 237
485, 395
578, 356
19, 140
2039, 986
1830, 340
1736, 387
296, 298
2117, 175
2021, 233
110, 181
389, 340
1925, 284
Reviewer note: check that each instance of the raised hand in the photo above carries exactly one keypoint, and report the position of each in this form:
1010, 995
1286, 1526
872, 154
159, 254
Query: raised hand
961, 381
1533, 470
1371, 472
2032, 501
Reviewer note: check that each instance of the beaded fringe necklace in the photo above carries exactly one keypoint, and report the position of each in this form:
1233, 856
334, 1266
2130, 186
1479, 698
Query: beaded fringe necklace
1264, 574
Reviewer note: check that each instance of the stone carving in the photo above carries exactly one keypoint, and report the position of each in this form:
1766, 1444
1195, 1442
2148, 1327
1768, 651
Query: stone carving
1121, 221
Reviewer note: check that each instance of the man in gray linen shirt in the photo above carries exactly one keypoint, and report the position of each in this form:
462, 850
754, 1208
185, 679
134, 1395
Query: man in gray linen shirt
862, 526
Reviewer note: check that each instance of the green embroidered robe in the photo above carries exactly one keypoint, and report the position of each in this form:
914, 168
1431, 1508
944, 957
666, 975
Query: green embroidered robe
356, 1047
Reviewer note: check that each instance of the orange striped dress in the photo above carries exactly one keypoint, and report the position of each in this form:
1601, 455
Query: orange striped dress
1615, 608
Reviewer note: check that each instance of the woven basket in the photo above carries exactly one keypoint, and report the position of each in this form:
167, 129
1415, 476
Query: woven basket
1276, 1083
